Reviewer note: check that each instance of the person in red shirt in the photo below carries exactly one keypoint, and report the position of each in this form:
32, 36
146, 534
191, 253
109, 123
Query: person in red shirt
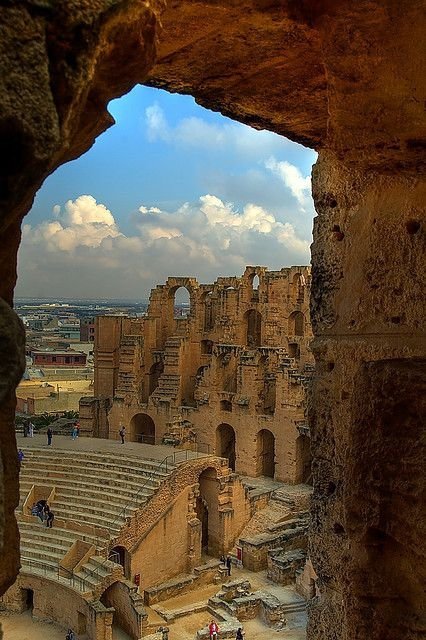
213, 630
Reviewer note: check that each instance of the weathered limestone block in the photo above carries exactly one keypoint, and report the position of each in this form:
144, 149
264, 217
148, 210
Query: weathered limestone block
366, 425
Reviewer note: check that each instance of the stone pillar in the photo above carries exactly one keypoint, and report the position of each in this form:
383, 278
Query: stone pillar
367, 307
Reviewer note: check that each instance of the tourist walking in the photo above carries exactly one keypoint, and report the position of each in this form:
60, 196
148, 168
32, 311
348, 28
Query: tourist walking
20, 456
70, 635
49, 436
77, 429
26, 429
31, 429
240, 634
122, 433
228, 565
213, 630
74, 431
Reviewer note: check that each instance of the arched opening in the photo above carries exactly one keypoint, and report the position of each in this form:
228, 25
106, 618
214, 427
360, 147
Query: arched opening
124, 626
225, 405
303, 460
203, 516
154, 373
253, 323
181, 303
266, 453
27, 599
142, 429
254, 282
225, 443
121, 556
296, 324
208, 512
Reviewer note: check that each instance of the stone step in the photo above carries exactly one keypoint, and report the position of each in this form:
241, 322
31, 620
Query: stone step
125, 461
117, 470
72, 513
45, 546
36, 530
71, 477
113, 500
50, 557
121, 513
77, 487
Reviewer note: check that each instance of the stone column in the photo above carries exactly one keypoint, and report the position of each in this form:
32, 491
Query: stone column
368, 396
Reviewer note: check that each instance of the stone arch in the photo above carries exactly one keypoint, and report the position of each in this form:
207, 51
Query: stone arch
225, 443
177, 292
265, 445
120, 555
117, 597
303, 460
253, 328
209, 501
142, 429
296, 324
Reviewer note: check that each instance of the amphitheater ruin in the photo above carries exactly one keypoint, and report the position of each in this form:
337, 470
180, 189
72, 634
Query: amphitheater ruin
343, 78
217, 463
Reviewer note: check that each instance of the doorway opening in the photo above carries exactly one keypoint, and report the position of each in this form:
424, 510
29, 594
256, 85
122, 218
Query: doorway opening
266, 453
303, 460
225, 443
202, 511
208, 505
142, 429
121, 556
28, 599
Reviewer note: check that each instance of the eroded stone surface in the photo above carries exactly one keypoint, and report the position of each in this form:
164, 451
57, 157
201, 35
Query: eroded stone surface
343, 77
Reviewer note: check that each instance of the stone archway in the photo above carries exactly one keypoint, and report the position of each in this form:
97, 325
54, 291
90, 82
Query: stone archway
120, 555
303, 460
142, 429
225, 443
208, 508
265, 442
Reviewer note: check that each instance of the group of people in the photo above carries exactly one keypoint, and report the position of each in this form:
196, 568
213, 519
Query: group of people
28, 429
214, 632
42, 510
227, 562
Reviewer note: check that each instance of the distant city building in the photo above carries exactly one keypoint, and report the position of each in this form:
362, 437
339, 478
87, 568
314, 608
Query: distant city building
70, 358
87, 329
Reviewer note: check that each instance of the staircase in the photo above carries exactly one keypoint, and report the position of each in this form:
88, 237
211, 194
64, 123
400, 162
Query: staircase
130, 361
93, 496
169, 382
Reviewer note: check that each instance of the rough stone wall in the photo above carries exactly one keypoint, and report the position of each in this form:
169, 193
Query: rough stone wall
241, 358
342, 77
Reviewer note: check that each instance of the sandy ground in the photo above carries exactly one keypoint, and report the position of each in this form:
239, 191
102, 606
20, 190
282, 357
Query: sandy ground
22, 627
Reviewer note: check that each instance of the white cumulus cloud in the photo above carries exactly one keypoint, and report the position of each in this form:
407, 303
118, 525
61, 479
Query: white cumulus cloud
299, 185
82, 252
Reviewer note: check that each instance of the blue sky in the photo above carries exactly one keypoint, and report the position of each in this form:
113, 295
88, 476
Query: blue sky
172, 188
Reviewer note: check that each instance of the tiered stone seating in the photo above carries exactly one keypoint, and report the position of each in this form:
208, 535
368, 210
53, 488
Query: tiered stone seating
94, 494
